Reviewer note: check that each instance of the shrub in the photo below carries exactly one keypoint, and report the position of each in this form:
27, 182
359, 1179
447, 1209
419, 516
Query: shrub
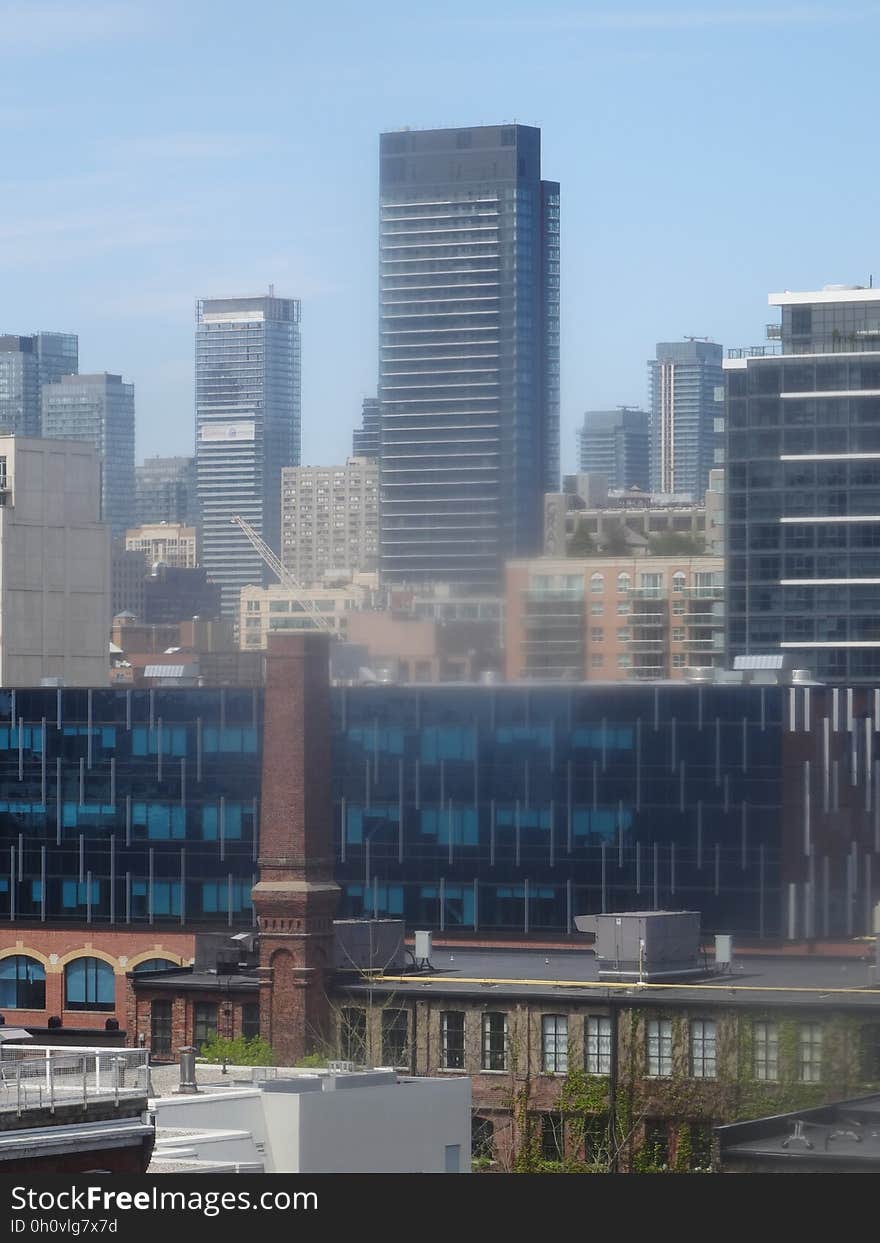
238, 1052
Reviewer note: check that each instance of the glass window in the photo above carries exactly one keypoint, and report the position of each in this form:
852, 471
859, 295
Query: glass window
598, 1046
353, 1034
154, 964
395, 1037
250, 1020
810, 1047
452, 1040
205, 1022
494, 1041
89, 984
659, 1040
870, 1052
160, 1029
22, 983
624, 582
554, 1043
702, 1049
597, 584
765, 1039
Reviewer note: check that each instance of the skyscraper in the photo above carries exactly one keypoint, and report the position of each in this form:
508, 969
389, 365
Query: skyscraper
165, 490
247, 429
365, 439
687, 395
803, 487
26, 364
98, 409
329, 522
469, 351
615, 443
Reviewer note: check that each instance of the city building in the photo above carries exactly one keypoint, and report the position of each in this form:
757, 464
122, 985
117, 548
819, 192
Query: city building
588, 517
170, 543
318, 1121
54, 564
248, 398
127, 577
99, 410
365, 439
196, 652
165, 491
401, 647
26, 364
330, 520
172, 594
613, 618
803, 486
687, 395
616, 444
469, 351
264, 609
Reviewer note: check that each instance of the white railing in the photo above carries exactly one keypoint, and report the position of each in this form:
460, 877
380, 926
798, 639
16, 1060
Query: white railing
48, 1076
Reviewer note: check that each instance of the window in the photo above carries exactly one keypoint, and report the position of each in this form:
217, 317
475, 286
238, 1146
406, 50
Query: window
659, 1032
552, 1137
89, 984
679, 660
160, 1029
596, 661
154, 964
655, 1153
678, 634
624, 662
482, 1138
395, 1032
678, 608
624, 583
22, 983
250, 1020
353, 1034
765, 1040
598, 1046
623, 609
554, 1044
678, 581
597, 609
452, 1040
597, 634
810, 1047
204, 1022
702, 1049
597, 584
494, 1042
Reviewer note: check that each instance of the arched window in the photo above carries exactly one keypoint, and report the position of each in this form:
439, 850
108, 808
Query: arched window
678, 580
155, 964
22, 983
597, 584
624, 582
89, 984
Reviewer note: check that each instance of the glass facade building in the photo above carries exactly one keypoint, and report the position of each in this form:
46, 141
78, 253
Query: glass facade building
506, 809
469, 351
165, 491
687, 407
248, 400
803, 487
26, 364
98, 409
616, 444
365, 439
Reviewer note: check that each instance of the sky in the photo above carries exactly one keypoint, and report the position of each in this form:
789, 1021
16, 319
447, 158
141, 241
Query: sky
155, 152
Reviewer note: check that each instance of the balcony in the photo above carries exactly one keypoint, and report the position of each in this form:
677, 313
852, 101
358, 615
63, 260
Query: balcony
49, 1077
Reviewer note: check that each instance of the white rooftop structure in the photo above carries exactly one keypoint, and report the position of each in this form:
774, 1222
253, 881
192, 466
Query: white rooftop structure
829, 293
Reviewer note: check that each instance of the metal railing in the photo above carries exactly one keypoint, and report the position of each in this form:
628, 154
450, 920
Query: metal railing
54, 1075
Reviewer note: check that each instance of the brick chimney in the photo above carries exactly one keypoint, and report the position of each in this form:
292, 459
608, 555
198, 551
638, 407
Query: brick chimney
296, 896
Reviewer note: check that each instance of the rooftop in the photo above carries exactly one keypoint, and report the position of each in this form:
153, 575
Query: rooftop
844, 1133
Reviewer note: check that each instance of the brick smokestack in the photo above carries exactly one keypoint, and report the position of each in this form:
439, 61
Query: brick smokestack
296, 896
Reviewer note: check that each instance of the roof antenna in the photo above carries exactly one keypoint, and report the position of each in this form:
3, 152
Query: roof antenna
271, 291
871, 282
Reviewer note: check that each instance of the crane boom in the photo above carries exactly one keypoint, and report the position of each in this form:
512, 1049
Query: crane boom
286, 579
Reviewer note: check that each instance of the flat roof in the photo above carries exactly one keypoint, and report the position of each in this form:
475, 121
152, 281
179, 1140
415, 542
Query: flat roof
845, 1131
831, 293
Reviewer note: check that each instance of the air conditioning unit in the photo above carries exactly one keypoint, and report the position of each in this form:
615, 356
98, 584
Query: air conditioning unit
424, 944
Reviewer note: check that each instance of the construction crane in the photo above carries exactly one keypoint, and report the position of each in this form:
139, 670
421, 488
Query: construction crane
285, 579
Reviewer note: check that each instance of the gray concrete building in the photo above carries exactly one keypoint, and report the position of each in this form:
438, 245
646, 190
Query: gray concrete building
687, 415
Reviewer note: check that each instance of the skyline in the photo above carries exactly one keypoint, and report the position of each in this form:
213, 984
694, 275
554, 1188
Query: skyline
177, 174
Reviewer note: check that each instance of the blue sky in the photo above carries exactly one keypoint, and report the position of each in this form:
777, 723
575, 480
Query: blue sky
154, 152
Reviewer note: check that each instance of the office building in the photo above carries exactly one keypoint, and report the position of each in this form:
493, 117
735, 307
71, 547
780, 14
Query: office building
175, 593
278, 607
613, 618
247, 429
54, 564
469, 351
330, 520
365, 439
615, 443
165, 491
803, 482
26, 365
687, 408
170, 543
99, 410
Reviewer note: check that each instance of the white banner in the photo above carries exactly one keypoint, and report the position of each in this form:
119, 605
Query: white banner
227, 431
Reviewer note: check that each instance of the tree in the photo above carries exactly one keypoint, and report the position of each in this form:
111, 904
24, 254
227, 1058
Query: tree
613, 541
581, 543
676, 544
239, 1051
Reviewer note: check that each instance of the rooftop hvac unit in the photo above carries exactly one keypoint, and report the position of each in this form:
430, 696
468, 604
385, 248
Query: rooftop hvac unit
723, 950
645, 945
424, 943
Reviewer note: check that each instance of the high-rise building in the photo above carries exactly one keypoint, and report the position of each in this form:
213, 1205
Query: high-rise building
615, 443
247, 429
329, 519
687, 395
365, 439
469, 351
98, 409
165, 491
171, 543
803, 486
26, 364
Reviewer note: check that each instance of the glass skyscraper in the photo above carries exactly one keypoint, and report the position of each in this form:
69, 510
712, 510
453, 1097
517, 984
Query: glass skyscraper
469, 351
803, 486
166, 490
687, 408
98, 409
247, 429
26, 364
615, 443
